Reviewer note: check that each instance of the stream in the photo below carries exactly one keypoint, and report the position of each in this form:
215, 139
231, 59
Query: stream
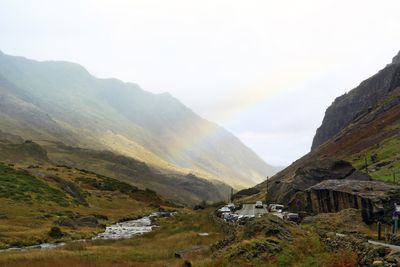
120, 230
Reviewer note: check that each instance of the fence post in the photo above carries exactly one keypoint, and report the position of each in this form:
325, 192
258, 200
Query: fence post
379, 231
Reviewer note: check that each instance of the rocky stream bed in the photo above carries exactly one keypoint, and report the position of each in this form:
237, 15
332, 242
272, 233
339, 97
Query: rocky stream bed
120, 230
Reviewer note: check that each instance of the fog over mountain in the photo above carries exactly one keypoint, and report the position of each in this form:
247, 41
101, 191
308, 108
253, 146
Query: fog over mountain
61, 101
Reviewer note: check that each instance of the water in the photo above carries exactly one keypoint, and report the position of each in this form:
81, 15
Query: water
130, 228
121, 230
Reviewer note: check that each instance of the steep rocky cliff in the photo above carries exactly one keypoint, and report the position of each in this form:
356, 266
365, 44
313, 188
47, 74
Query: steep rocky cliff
348, 107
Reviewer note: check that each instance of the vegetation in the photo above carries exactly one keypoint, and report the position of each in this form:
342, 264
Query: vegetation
157, 248
19, 185
383, 160
108, 184
31, 205
55, 232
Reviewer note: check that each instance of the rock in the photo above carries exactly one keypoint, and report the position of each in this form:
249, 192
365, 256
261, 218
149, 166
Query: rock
309, 175
396, 59
377, 263
70, 188
246, 192
269, 226
267, 247
375, 199
87, 221
67, 222
3, 216
256, 249
352, 105
187, 264
84, 221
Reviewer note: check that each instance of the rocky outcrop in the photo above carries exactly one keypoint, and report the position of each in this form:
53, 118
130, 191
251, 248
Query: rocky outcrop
283, 191
375, 199
70, 188
354, 104
76, 222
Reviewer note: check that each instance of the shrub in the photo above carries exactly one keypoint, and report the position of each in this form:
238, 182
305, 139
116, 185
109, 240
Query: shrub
55, 232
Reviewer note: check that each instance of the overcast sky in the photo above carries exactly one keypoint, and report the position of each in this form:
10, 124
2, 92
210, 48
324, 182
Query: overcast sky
265, 70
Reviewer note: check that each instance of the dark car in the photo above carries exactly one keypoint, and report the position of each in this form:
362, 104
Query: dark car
293, 217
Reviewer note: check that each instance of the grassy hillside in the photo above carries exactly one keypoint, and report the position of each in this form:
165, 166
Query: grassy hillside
186, 189
34, 198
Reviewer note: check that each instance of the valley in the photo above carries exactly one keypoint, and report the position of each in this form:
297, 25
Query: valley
109, 174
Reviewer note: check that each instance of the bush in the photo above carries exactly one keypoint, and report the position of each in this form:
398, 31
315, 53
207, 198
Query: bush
342, 258
55, 232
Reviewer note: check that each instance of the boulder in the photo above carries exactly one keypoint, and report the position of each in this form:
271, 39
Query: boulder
83, 221
87, 221
309, 175
375, 199
67, 222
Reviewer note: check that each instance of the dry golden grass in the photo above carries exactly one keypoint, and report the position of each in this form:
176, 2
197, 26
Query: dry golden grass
29, 223
153, 249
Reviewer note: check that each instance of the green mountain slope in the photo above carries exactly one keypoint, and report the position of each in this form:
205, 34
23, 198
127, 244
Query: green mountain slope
61, 101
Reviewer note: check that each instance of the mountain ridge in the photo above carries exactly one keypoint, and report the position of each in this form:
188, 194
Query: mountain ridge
369, 143
353, 104
62, 101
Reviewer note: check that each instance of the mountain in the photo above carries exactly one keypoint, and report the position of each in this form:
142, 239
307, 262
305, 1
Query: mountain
359, 139
187, 190
62, 102
358, 101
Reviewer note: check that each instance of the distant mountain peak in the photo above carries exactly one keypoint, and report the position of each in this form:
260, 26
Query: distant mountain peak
396, 59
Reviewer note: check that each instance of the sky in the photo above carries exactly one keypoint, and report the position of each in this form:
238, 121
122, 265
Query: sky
266, 70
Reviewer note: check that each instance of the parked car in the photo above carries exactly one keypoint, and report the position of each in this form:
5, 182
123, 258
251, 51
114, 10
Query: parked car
275, 208
293, 217
231, 217
259, 205
231, 206
224, 209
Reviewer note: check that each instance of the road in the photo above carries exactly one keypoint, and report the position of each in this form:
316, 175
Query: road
250, 209
392, 247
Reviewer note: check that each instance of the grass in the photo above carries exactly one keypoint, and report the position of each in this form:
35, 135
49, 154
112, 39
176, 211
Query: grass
21, 186
153, 249
386, 153
31, 205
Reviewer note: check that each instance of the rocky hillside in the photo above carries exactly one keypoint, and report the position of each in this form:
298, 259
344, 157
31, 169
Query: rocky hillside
348, 107
37, 198
365, 144
176, 187
62, 102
